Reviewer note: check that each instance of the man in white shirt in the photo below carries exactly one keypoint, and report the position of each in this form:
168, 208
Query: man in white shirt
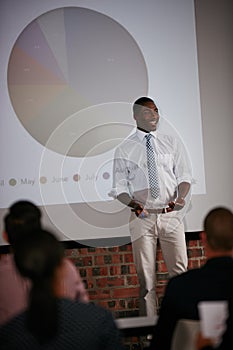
156, 195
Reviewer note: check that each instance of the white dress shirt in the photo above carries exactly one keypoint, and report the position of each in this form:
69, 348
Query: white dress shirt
130, 173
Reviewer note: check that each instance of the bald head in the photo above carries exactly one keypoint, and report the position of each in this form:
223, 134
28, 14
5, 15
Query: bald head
218, 226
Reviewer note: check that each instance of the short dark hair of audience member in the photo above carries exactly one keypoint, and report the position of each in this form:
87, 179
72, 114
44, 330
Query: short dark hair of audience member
218, 228
37, 257
23, 217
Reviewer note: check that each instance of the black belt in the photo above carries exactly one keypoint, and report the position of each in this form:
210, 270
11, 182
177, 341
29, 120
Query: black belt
155, 211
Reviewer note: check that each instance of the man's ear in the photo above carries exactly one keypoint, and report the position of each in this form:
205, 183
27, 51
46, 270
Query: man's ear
5, 236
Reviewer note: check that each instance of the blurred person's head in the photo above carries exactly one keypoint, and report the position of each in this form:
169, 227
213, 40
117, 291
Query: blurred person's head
39, 257
218, 232
23, 217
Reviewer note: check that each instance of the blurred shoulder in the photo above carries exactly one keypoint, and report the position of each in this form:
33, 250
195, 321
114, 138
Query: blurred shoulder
184, 278
89, 312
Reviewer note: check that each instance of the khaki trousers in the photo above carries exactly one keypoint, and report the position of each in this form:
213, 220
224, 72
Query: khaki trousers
169, 229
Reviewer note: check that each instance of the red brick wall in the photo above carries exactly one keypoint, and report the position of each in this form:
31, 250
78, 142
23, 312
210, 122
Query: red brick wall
111, 279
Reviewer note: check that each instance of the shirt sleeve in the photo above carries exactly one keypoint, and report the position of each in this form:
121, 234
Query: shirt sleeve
120, 181
182, 163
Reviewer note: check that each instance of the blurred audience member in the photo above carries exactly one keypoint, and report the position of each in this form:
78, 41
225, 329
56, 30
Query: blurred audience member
25, 217
51, 320
211, 282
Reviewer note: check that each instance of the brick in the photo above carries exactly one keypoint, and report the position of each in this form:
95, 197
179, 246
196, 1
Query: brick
121, 304
82, 251
161, 266
162, 276
108, 304
111, 304
125, 292
192, 264
91, 250
117, 258
123, 248
161, 283
195, 252
128, 258
87, 261
132, 269
113, 249
89, 272
100, 250
133, 303
99, 271
193, 244
99, 260
107, 259
125, 269
159, 255
115, 270
83, 272
129, 247
132, 280
91, 284
78, 262
99, 294
109, 282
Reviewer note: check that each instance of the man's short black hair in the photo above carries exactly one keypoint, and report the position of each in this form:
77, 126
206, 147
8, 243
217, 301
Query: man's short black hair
140, 102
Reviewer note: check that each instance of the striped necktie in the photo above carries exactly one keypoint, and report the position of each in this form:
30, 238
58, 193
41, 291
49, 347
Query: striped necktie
152, 168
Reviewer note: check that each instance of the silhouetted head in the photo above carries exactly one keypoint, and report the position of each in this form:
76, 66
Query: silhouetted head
23, 217
218, 227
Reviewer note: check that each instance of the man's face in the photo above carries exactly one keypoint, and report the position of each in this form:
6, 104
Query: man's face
147, 118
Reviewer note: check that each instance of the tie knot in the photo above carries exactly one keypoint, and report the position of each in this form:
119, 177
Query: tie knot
148, 137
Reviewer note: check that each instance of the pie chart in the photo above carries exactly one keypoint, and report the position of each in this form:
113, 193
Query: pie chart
75, 72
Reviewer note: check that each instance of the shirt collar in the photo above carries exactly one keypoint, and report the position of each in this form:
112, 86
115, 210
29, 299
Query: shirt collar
141, 134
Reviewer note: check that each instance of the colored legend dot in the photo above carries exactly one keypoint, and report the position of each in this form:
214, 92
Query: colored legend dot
106, 175
43, 180
12, 182
76, 177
